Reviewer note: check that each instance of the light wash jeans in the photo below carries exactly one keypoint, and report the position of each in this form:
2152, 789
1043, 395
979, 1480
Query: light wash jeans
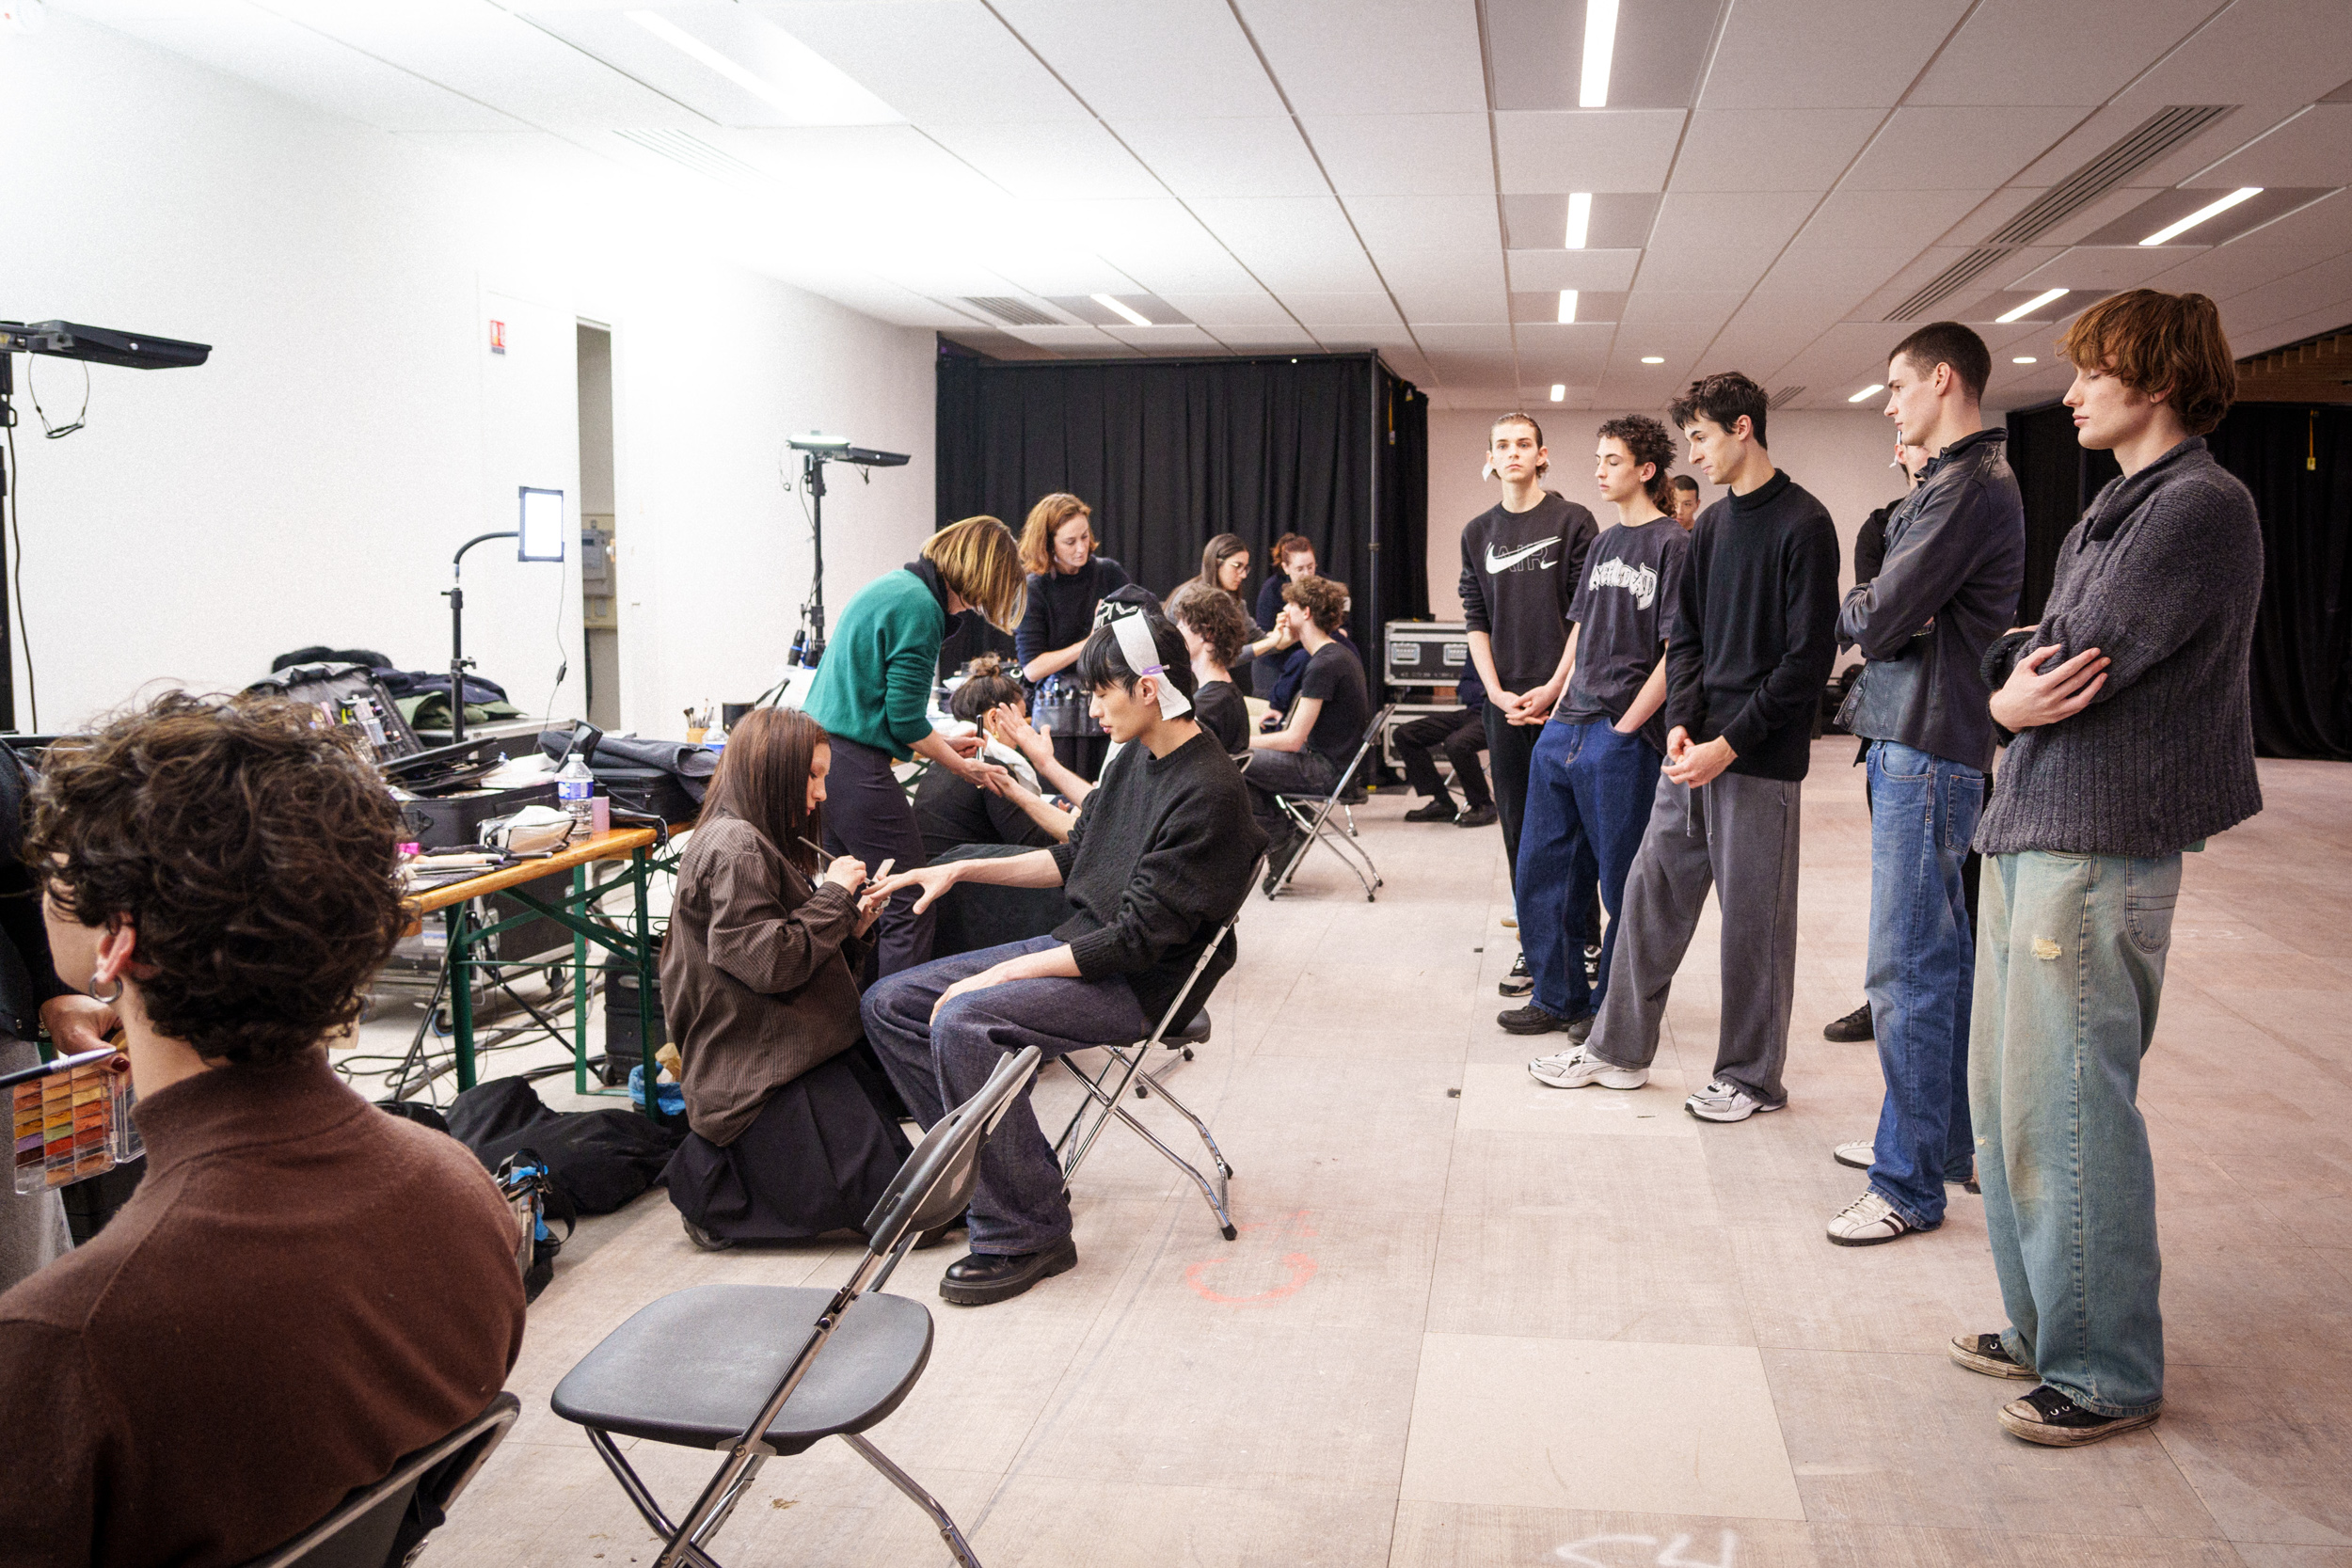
2069, 968
1923, 812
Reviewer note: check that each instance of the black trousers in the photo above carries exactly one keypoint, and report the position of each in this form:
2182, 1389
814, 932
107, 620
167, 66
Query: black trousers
867, 815
1510, 751
1461, 734
1082, 754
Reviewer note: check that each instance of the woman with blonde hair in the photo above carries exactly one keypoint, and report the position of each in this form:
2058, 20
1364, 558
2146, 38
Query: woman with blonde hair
872, 695
1068, 579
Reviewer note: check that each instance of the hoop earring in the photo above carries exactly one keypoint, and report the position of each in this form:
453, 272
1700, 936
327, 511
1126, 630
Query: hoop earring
110, 1000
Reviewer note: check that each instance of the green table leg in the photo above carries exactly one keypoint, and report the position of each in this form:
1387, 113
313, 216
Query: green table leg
640, 878
461, 990
580, 986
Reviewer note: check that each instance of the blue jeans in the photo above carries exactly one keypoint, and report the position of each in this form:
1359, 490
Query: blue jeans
2069, 968
1923, 813
1018, 1205
1588, 800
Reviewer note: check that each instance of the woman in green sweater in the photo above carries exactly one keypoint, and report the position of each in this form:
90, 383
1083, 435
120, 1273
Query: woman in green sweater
873, 694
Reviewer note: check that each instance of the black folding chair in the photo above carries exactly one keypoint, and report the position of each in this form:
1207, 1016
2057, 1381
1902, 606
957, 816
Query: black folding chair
1311, 815
1126, 1064
383, 1525
738, 1368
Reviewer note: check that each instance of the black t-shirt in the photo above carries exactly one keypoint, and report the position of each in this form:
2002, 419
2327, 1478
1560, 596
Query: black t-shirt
1624, 609
1518, 570
1335, 675
950, 811
1221, 711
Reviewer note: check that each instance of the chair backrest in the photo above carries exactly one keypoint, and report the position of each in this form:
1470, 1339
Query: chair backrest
934, 1185
376, 1527
1345, 782
1208, 954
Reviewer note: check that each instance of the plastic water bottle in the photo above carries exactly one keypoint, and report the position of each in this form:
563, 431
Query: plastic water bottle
575, 789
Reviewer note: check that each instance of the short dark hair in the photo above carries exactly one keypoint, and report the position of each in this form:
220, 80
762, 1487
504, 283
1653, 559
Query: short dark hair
1528, 420
985, 685
2164, 344
1684, 482
1725, 397
1215, 617
763, 780
255, 851
1323, 600
1649, 442
1948, 344
1101, 662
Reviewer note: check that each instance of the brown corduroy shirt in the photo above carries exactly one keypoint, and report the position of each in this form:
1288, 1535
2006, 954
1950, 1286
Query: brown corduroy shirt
302, 1291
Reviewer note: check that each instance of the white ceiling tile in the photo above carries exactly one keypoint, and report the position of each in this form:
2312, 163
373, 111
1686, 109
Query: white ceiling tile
929, 59
2228, 270
805, 88
1824, 54
1291, 242
1958, 148
1449, 338
1374, 56
1184, 339
1715, 241
1676, 310
1538, 51
1760, 346
2295, 294
1201, 159
2286, 52
1342, 310
549, 164
1907, 220
872, 157
1831, 279
1156, 243
2314, 148
1221, 313
1066, 159
1455, 305
1393, 224
2290, 329
1573, 269
1404, 154
1569, 351
2107, 266
312, 69
2079, 53
2323, 228
1587, 150
1088, 339
1169, 58
1771, 149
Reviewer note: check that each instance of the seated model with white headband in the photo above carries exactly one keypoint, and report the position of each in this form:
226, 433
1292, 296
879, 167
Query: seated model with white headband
1158, 860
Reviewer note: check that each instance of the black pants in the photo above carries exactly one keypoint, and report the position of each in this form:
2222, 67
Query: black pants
1510, 751
867, 815
1461, 734
818, 1158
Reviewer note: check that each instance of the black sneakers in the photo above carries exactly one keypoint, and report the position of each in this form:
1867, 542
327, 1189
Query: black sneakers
1531, 1020
2051, 1418
1519, 983
1440, 809
1988, 1353
1855, 1026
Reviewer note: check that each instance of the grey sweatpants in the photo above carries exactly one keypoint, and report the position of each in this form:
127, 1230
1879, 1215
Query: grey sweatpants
1737, 834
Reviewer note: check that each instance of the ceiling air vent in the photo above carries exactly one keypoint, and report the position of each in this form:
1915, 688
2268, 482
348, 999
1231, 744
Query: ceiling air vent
1012, 312
1786, 396
698, 155
2162, 132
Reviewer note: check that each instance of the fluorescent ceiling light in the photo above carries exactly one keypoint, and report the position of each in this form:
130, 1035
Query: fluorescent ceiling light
1107, 303
1653, 358
2045, 297
1872, 391
1580, 219
687, 44
1600, 41
2210, 210
1567, 305
812, 90
2022, 359
1559, 391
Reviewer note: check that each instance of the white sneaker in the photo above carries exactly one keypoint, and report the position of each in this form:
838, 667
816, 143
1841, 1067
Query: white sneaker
1860, 1156
1868, 1221
1573, 1069
1722, 1102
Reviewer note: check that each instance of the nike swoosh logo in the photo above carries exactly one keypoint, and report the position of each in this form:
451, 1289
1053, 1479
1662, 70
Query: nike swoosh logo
1504, 561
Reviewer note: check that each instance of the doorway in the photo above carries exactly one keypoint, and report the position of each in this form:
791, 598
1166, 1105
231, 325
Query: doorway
600, 569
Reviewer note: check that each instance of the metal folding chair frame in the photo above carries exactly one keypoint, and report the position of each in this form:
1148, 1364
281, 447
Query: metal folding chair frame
1104, 1097
1315, 825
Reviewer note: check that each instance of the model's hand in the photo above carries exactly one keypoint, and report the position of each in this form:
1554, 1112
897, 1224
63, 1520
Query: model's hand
2033, 697
932, 880
77, 1022
992, 975
1702, 763
1677, 742
1283, 636
869, 908
982, 774
1013, 727
848, 874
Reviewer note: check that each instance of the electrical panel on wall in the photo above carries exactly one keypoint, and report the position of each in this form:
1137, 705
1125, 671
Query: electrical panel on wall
600, 575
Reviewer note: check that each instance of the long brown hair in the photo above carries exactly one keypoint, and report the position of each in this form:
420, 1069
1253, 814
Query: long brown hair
1216, 554
763, 779
1045, 520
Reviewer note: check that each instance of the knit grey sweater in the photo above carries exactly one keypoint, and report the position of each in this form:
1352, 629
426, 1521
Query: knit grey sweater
2162, 575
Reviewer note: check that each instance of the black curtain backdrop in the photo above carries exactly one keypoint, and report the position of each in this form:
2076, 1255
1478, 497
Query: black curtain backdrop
1170, 452
2298, 461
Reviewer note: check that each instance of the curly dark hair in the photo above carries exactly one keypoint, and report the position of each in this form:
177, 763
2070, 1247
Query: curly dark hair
1215, 617
1324, 601
253, 848
1649, 442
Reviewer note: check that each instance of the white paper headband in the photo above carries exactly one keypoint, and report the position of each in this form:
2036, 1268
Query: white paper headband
1142, 654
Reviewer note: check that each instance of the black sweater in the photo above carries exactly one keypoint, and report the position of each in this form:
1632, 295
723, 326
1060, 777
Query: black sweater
1158, 859
1061, 606
1519, 570
1755, 631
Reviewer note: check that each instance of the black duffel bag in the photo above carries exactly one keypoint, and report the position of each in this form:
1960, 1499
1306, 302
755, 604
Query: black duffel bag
653, 778
597, 1160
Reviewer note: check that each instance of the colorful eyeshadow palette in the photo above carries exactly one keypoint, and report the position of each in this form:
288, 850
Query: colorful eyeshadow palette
71, 1119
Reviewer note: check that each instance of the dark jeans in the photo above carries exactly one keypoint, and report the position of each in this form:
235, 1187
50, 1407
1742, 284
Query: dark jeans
1271, 773
1018, 1205
1589, 794
867, 815
1461, 734
1510, 751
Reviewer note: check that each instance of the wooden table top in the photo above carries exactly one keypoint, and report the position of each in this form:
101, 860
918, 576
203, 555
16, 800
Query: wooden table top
618, 845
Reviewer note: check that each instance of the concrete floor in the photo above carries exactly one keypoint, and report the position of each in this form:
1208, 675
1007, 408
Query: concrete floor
1470, 1319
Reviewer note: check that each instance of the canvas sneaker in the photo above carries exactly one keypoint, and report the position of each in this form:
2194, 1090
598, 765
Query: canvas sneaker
1860, 1156
2049, 1417
1989, 1354
1868, 1221
1722, 1102
1574, 1067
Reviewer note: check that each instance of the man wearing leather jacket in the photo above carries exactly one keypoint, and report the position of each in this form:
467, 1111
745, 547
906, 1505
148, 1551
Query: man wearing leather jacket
1955, 561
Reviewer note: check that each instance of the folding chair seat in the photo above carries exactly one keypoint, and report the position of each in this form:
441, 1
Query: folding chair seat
1312, 815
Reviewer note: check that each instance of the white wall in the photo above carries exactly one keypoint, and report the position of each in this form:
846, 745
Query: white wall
311, 483
1842, 458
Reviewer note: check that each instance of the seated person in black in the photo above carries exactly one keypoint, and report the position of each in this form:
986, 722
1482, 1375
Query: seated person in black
1326, 724
1160, 861
950, 810
1215, 632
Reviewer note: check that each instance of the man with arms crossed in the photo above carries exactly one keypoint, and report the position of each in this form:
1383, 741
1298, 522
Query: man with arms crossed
1520, 562
1955, 557
1596, 762
1753, 636
2134, 740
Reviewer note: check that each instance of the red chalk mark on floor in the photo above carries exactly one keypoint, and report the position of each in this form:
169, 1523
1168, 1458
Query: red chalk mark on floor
1301, 1266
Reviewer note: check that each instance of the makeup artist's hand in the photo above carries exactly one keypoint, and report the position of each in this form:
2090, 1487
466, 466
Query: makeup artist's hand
77, 1022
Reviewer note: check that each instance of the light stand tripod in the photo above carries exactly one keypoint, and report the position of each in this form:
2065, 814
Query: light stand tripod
809, 642
458, 662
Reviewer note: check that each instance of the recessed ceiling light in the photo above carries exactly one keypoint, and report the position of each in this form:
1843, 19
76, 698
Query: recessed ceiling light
1600, 41
1653, 358
1872, 391
1567, 305
1559, 391
2018, 313
2210, 210
2022, 359
1134, 318
1580, 219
